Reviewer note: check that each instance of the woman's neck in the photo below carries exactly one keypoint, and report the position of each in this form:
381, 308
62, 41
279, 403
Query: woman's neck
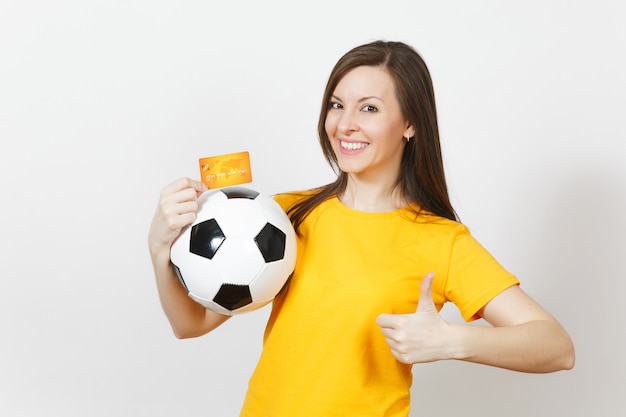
371, 197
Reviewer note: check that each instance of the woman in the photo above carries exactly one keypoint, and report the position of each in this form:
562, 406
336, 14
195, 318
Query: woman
380, 250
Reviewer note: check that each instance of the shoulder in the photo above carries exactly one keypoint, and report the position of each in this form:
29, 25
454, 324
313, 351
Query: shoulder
435, 224
289, 199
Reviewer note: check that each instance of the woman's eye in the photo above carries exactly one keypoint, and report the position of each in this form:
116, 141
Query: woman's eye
335, 105
369, 108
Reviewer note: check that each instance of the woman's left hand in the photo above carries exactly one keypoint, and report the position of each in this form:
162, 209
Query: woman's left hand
419, 337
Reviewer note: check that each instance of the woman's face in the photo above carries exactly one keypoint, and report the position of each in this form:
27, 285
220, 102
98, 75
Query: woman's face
365, 125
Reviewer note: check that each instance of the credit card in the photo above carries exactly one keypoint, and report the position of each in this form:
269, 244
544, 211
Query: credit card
225, 170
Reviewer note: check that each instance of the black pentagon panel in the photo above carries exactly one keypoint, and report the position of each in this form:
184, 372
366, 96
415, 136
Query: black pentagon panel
206, 238
232, 296
271, 242
240, 192
180, 276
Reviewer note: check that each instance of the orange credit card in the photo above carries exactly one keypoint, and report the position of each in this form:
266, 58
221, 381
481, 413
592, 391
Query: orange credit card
225, 170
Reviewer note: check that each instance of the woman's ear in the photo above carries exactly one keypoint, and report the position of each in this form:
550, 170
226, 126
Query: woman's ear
409, 132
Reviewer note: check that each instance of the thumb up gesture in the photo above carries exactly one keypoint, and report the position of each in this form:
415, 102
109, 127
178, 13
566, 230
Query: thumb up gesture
419, 337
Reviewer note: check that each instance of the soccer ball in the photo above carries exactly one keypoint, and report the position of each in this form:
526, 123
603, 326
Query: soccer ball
238, 253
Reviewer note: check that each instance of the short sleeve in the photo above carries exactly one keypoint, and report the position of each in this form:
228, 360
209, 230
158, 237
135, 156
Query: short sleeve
474, 276
288, 200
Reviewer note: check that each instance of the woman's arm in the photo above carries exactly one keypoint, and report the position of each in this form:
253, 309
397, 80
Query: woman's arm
524, 336
176, 209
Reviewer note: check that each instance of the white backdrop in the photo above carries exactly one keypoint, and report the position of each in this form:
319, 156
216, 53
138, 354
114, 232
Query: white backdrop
102, 103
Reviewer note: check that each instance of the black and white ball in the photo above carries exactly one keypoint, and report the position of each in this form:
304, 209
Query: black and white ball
238, 253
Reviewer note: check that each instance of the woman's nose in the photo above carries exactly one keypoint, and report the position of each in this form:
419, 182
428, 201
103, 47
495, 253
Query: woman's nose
347, 122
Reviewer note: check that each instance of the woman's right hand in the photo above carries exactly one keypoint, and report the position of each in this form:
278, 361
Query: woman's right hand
177, 208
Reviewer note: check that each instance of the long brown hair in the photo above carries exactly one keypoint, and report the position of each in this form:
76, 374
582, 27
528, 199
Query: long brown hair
421, 179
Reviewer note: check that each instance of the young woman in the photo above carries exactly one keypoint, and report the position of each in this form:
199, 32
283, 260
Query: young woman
380, 250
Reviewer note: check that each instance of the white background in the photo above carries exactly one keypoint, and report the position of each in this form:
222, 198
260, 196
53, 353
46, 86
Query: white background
102, 103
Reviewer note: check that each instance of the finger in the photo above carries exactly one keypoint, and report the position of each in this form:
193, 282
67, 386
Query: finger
425, 302
184, 183
185, 207
385, 321
391, 337
179, 202
200, 187
387, 332
173, 201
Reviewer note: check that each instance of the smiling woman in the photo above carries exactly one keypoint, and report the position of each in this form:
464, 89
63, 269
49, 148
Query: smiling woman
407, 88
380, 251
368, 132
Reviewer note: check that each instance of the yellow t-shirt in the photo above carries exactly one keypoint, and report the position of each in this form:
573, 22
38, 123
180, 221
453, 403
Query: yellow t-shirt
323, 353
